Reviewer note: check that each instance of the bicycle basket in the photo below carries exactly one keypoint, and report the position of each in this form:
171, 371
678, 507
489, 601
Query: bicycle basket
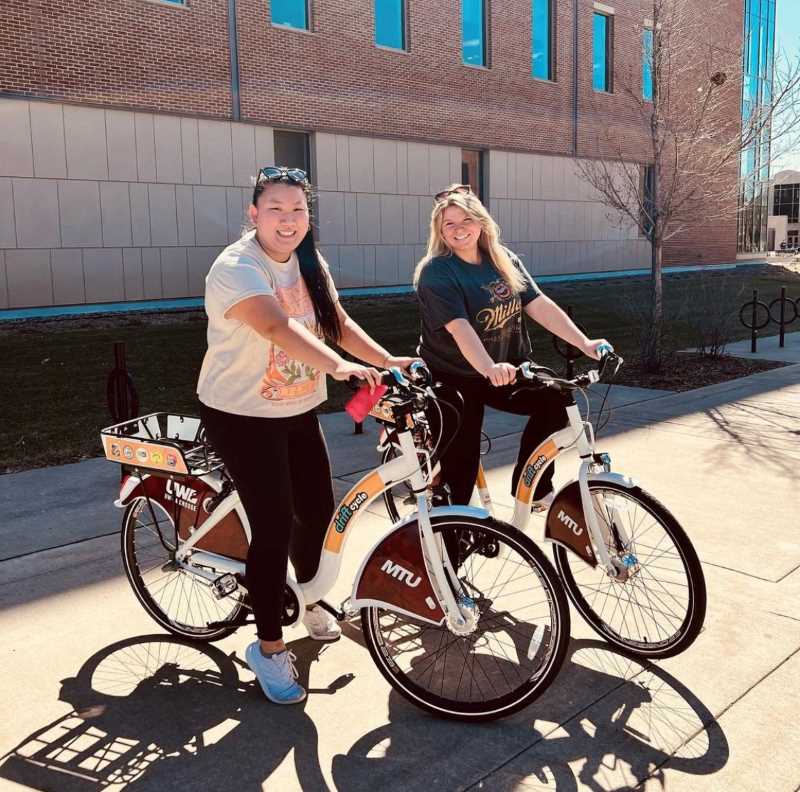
161, 441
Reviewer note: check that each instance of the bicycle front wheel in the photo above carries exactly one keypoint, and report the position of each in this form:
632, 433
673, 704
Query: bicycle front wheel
178, 600
657, 607
518, 643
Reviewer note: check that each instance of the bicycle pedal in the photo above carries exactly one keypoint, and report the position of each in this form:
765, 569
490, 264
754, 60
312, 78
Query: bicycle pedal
224, 585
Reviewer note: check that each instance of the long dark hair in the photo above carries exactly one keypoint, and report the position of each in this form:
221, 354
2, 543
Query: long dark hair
311, 269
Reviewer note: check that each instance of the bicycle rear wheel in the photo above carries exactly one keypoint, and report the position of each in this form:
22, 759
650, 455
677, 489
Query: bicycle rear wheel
178, 600
518, 643
659, 610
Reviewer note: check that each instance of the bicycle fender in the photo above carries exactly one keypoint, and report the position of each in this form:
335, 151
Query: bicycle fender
394, 576
566, 524
188, 502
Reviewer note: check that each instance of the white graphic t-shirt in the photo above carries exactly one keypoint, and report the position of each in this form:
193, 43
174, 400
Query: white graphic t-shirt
243, 372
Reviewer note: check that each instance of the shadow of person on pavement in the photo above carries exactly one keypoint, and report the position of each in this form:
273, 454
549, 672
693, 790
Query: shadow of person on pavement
155, 712
607, 722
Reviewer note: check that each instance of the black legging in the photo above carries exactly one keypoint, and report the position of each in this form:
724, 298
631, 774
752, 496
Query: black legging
281, 470
461, 459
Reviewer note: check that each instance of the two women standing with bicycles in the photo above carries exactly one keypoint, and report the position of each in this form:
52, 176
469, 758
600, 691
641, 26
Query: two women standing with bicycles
272, 306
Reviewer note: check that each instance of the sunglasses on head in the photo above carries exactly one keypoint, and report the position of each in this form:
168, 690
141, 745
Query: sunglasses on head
458, 188
272, 173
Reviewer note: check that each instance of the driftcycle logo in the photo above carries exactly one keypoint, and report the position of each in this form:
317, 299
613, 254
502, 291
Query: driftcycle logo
346, 512
532, 469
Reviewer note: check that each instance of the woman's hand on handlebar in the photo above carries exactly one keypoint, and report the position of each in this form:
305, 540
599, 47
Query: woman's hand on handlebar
500, 374
597, 347
346, 369
400, 361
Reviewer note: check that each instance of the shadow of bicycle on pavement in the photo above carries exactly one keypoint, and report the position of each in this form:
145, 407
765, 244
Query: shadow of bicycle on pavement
155, 712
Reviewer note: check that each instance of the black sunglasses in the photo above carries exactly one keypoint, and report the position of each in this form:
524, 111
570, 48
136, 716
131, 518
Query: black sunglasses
272, 173
459, 188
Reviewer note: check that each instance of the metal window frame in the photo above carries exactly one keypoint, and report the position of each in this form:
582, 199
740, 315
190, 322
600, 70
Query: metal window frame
552, 38
404, 29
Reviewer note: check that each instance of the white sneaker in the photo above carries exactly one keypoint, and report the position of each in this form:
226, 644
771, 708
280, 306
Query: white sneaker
321, 625
541, 506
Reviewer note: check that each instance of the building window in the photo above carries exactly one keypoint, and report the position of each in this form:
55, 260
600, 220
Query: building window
472, 170
292, 150
602, 50
390, 24
542, 39
787, 202
290, 13
647, 65
473, 32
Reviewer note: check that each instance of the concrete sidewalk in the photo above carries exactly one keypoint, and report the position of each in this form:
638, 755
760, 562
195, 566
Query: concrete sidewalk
102, 699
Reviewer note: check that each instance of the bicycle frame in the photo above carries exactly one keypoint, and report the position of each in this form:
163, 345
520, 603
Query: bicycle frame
435, 592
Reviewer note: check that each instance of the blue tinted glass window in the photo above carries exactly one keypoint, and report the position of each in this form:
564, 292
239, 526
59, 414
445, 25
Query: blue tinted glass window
390, 25
541, 52
600, 52
292, 13
473, 32
647, 65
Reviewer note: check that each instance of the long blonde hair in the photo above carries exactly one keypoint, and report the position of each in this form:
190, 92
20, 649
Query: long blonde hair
488, 241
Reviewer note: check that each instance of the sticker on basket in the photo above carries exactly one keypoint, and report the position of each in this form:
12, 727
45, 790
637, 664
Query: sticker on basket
172, 460
127, 452
115, 450
142, 454
150, 455
156, 457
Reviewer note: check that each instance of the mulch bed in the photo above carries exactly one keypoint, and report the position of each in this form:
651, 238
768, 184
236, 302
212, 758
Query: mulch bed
688, 370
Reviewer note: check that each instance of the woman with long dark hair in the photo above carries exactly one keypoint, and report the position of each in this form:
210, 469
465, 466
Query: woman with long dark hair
271, 307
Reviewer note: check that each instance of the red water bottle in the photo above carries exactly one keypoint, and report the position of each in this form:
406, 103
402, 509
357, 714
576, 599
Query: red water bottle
363, 401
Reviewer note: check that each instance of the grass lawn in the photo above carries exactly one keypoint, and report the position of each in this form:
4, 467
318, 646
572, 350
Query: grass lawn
53, 373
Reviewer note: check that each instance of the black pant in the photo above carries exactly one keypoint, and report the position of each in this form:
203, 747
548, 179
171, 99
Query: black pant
461, 458
281, 470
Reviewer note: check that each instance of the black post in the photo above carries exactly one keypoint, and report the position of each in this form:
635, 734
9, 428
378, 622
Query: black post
121, 395
783, 316
570, 367
358, 428
754, 332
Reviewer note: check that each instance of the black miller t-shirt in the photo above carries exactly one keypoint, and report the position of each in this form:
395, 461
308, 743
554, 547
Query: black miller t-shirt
450, 288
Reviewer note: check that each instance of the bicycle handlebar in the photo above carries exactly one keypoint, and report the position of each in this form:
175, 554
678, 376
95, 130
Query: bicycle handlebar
545, 377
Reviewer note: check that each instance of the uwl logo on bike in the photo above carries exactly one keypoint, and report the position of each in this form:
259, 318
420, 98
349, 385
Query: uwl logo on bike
401, 573
184, 496
494, 318
345, 513
570, 523
533, 469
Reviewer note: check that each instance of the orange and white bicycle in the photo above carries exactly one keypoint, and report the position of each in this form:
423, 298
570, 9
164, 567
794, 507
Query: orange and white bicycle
626, 563
462, 613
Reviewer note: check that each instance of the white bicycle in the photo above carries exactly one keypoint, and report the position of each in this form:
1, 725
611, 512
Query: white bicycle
625, 561
462, 613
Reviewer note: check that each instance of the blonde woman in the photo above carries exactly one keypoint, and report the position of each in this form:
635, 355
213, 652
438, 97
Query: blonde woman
472, 293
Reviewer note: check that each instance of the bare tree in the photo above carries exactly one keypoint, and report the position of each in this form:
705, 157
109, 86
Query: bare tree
694, 136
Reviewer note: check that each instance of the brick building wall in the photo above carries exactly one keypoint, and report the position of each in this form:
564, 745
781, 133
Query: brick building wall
360, 103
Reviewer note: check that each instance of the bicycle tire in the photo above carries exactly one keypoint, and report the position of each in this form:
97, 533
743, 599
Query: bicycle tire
594, 583
539, 645
146, 553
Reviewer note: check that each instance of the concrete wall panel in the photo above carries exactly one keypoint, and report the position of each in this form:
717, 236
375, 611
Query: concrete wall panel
342, 163
190, 151
412, 228
386, 265
419, 181
210, 216
85, 139
441, 174
331, 255
243, 143
385, 156
174, 272
402, 167
370, 260
369, 220
47, 133
79, 212
132, 273
200, 260
67, 269
140, 215
29, 278
163, 214
185, 208
36, 214
498, 174
103, 275
350, 218
167, 137
391, 219
16, 150
8, 232
351, 266
3, 286
216, 156
265, 147
330, 218
121, 143
362, 164
151, 273
145, 147
236, 219
325, 161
